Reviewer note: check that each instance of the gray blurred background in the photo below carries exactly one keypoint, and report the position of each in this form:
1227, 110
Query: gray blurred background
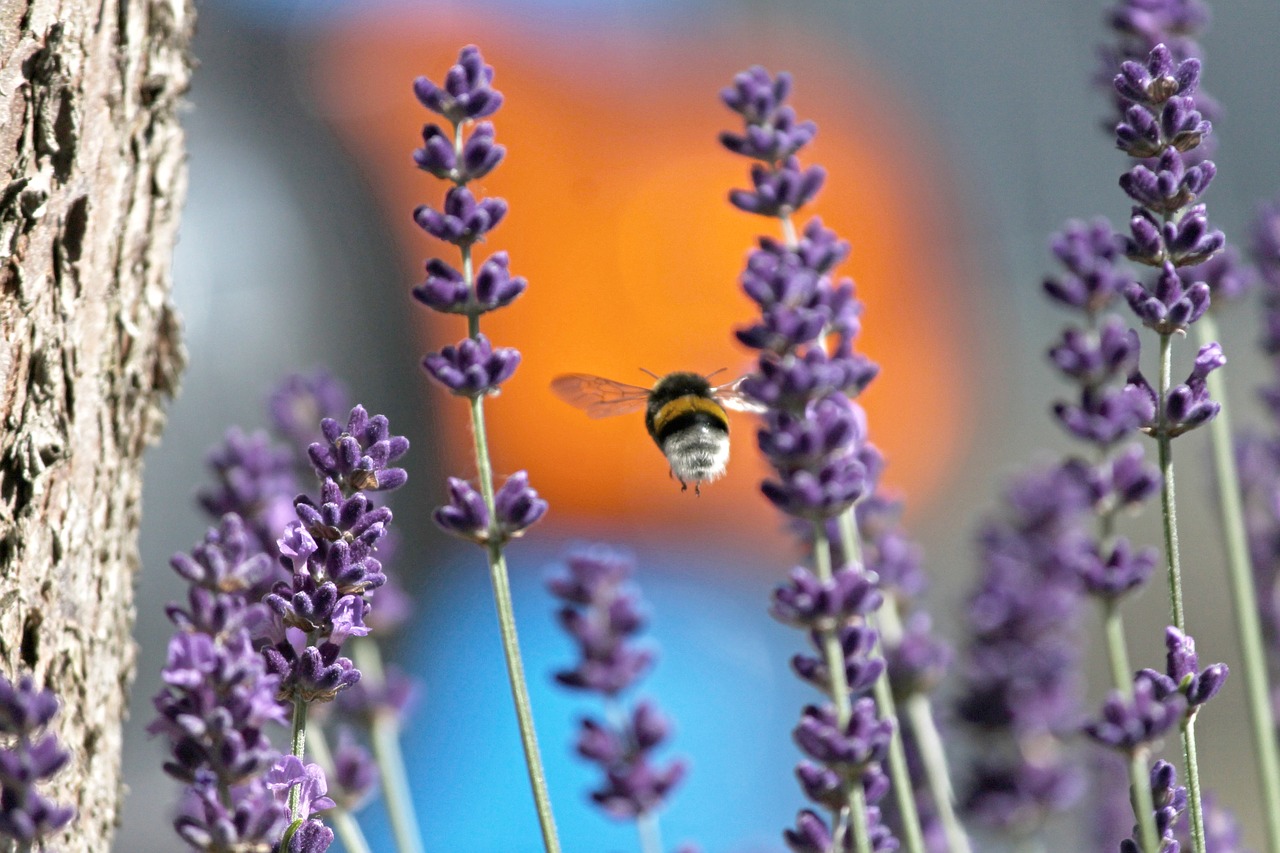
285, 262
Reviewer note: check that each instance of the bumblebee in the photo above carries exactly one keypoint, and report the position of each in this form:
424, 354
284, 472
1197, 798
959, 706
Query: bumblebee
683, 412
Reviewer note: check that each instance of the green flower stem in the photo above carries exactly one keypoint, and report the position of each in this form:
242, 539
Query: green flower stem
1169, 514
1168, 504
899, 774
510, 641
1244, 596
344, 822
298, 747
384, 730
861, 835
650, 833
1144, 807
920, 714
840, 695
502, 592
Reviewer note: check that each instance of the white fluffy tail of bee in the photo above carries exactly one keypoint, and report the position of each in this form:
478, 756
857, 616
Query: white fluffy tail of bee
698, 454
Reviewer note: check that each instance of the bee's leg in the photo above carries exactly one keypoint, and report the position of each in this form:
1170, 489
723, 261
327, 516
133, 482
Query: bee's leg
684, 487
697, 489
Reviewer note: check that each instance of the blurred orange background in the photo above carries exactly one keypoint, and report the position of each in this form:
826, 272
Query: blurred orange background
619, 220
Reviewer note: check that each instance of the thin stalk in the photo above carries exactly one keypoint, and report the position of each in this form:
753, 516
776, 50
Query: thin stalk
510, 641
298, 746
1244, 597
840, 695
344, 822
650, 833
1144, 807
1169, 514
501, 584
384, 730
861, 835
1168, 503
1193, 783
933, 754
899, 773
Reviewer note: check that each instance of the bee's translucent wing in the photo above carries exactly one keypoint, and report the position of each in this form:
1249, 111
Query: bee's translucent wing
731, 397
599, 397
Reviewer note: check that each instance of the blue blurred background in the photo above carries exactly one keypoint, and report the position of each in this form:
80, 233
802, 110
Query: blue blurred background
293, 254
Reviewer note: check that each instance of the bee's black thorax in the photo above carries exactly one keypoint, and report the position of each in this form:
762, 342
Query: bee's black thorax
681, 400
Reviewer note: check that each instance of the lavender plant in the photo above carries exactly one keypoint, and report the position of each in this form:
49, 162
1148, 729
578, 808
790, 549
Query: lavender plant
1170, 231
1021, 687
1259, 453
815, 438
602, 615
29, 756
474, 368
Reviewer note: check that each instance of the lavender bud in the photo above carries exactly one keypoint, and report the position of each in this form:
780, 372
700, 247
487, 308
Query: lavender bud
465, 515
464, 220
781, 191
517, 506
1126, 726
1112, 575
357, 457
466, 94
472, 368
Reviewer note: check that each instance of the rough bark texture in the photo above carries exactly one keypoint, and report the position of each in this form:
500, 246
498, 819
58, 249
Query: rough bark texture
93, 177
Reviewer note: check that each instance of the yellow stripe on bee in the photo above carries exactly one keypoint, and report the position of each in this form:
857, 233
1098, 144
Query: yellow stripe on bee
685, 405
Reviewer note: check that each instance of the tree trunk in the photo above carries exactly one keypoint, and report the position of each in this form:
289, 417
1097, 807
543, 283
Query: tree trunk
94, 176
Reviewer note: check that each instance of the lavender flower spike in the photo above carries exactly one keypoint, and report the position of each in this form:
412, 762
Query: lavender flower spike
815, 439
33, 757
474, 368
603, 614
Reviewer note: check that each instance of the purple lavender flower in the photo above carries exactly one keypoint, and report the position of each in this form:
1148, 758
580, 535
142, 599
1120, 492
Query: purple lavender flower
464, 219
1183, 675
252, 819
255, 479
602, 614
1170, 801
473, 367
467, 92
814, 435
1127, 725
356, 457
480, 155
219, 697
807, 602
355, 775
1187, 405
30, 758
445, 289
1021, 679
300, 402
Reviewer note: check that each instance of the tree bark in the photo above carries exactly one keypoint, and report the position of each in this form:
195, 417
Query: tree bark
94, 174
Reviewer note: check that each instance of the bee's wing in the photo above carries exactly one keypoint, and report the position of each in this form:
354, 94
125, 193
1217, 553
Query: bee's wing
731, 397
599, 397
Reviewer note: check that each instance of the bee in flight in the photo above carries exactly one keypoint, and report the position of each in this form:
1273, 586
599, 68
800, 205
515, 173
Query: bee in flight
684, 413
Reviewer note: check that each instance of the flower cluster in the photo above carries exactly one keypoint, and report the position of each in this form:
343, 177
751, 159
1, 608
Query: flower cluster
474, 367
29, 757
1169, 229
1259, 454
263, 622
255, 479
219, 697
815, 438
603, 615
329, 550
1021, 688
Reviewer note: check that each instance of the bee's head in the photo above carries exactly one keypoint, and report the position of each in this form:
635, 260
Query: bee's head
680, 384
